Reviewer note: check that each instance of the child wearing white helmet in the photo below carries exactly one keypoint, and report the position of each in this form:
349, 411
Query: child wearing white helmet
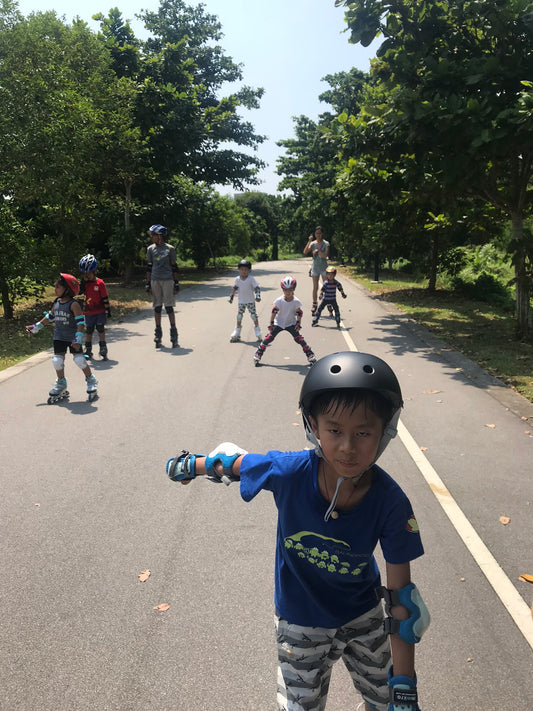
334, 506
162, 281
286, 316
248, 293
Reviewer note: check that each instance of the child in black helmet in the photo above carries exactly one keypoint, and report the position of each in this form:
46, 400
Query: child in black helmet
334, 505
248, 291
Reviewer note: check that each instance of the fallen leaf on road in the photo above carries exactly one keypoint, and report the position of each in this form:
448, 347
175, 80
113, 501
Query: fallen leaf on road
526, 577
423, 449
295, 424
469, 659
505, 520
143, 577
430, 392
38, 505
491, 426
163, 607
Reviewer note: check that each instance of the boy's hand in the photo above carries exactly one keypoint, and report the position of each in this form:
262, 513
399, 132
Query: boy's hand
34, 328
147, 287
343, 294
403, 694
270, 327
297, 326
230, 299
223, 457
182, 466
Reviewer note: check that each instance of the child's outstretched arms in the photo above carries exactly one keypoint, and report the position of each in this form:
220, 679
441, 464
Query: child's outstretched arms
36, 327
222, 464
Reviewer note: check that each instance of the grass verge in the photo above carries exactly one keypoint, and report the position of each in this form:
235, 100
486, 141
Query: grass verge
482, 332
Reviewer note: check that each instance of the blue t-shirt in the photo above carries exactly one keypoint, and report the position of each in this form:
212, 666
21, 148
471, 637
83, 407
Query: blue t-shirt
326, 573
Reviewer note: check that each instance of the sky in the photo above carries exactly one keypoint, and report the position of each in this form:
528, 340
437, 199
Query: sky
285, 46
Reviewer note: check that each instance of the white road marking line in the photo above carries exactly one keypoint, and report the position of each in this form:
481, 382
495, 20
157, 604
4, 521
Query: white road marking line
503, 587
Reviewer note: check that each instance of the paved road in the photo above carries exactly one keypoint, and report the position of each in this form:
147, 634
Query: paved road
86, 507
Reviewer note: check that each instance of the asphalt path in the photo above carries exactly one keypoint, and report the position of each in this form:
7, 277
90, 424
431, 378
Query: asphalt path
86, 508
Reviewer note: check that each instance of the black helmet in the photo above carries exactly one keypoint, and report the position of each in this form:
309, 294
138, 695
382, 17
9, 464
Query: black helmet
244, 263
350, 370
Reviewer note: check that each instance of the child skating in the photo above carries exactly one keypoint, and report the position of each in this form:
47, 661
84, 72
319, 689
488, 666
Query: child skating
334, 506
67, 318
328, 295
248, 290
286, 316
162, 281
96, 305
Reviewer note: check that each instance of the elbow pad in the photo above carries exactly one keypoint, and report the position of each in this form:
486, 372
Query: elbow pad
412, 629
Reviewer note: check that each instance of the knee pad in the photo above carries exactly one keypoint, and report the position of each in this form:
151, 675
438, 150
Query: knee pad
58, 361
158, 309
412, 629
169, 310
100, 327
89, 330
80, 361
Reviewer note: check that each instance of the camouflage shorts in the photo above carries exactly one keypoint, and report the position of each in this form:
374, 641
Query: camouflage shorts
306, 656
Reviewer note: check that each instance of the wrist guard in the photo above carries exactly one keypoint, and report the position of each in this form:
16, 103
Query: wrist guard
402, 693
176, 285
34, 328
182, 466
147, 286
78, 339
412, 629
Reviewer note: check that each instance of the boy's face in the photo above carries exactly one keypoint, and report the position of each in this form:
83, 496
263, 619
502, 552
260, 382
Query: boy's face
349, 438
288, 294
244, 271
90, 276
330, 276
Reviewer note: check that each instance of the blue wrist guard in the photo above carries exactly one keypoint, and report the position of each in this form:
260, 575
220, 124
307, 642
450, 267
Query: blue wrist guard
49, 315
403, 695
181, 467
78, 338
412, 629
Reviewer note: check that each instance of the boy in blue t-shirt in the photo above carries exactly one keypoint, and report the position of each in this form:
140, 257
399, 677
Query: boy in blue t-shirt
334, 506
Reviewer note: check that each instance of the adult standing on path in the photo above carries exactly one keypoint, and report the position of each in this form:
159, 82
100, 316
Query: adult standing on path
318, 247
162, 281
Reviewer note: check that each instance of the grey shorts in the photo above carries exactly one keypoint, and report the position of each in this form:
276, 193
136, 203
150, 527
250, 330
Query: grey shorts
162, 292
306, 656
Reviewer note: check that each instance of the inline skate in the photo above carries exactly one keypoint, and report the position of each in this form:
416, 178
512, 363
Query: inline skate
92, 393
58, 392
258, 334
103, 350
174, 336
236, 335
158, 335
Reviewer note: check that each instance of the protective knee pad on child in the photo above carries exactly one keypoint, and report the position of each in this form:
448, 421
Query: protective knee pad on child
412, 629
169, 310
158, 309
58, 361
80, 361
99, 327
89, 330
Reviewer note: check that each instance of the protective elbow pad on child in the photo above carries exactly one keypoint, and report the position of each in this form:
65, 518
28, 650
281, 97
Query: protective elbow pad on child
412, 629
225, 454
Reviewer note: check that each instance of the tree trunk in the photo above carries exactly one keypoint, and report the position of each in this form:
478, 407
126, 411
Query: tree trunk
522, 282
128, 264
433, 262
6, 301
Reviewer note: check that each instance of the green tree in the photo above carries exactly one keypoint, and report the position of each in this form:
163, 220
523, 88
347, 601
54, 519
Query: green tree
458, 75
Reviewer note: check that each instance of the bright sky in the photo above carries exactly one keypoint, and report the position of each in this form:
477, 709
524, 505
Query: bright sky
285, 46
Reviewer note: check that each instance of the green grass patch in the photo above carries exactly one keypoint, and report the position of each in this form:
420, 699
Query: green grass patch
483, 332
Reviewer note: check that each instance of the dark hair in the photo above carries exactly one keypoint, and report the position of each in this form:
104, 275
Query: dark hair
332, 401
319, 228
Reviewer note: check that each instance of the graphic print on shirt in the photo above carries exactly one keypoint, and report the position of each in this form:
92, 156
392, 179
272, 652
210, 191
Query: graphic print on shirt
329, 554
